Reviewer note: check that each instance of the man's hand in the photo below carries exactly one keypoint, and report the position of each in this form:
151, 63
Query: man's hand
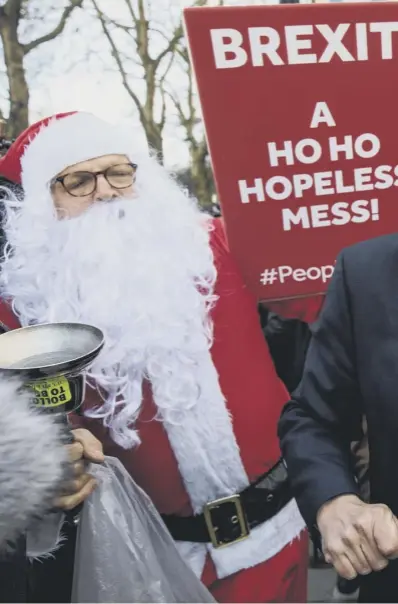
86, 448
357, 537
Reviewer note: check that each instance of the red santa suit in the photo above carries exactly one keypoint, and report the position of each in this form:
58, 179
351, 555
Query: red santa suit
183, 467
275, 554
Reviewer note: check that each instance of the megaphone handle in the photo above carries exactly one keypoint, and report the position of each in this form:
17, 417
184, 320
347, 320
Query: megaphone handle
72, 516
67, 435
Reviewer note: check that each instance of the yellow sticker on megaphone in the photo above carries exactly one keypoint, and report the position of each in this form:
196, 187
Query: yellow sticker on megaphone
52, 392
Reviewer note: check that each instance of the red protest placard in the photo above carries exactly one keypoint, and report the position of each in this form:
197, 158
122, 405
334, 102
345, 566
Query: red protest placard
300, 109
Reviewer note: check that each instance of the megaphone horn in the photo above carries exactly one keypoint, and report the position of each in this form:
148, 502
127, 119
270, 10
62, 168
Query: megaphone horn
51, 359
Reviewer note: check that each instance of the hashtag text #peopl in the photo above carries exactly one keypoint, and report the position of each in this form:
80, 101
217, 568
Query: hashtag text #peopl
282, 274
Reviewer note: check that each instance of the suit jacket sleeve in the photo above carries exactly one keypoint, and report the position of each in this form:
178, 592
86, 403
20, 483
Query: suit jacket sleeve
324, 416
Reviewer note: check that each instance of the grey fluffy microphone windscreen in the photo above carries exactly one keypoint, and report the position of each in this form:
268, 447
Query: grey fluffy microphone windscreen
32, 460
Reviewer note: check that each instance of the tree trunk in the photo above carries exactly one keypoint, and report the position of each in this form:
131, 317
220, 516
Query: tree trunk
154, 138
18, 88
202, 178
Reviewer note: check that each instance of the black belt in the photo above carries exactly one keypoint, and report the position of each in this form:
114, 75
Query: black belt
231, 519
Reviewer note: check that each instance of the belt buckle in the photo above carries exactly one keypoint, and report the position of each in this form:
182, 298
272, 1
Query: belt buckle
238, 518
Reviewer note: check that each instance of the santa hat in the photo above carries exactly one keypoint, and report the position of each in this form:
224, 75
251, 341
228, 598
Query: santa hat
54, 143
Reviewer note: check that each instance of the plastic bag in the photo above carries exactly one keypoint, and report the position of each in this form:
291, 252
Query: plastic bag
124, 553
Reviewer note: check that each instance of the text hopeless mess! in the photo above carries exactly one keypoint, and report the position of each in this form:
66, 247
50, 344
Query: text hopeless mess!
300, 110
309, 151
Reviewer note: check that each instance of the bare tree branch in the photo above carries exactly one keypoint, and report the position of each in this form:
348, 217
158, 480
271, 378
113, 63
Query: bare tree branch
117, 58
130, 31
14, 52
13, 7
178, 106
142, 29
58, 29
171, 46
167, 70
199, 177
131, 11
163, 114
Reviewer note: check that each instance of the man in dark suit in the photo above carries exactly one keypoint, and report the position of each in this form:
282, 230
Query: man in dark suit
351, 371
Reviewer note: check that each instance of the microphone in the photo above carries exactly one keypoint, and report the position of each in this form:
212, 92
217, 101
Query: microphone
51, 360
33, 460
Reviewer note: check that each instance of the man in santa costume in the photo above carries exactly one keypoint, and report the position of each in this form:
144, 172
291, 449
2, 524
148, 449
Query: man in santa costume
185, 393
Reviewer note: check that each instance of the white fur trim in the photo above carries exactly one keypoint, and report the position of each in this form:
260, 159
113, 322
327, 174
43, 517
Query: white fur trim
209, 461
67, 141
204, 443
263, 543
32, 460
194, 554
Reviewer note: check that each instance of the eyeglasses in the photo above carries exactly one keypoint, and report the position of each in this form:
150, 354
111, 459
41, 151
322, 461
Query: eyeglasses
81, 184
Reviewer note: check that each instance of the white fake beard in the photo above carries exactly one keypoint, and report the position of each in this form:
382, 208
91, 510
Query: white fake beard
142, 271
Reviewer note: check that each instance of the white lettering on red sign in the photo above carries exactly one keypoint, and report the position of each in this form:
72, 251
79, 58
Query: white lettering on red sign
264, 44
